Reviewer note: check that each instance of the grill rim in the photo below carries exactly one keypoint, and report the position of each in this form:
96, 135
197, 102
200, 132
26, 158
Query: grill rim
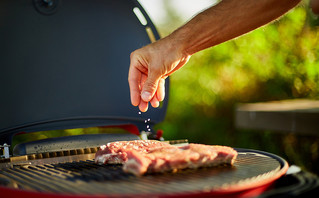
260, 185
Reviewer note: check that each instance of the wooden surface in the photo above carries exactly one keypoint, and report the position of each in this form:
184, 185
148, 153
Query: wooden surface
295, 116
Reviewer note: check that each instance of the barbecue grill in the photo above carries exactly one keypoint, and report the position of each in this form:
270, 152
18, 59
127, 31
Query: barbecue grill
64, 65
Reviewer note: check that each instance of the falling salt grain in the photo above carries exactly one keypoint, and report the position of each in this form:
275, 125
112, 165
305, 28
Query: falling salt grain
149, 129
139, 113
149, 119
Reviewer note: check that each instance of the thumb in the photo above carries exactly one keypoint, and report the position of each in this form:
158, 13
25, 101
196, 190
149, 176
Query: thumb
150, 87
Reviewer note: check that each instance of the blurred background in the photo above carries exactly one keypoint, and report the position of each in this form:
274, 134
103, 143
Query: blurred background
275, 62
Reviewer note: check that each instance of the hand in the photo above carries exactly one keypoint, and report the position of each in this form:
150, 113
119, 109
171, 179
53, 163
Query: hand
149, 68
151, 64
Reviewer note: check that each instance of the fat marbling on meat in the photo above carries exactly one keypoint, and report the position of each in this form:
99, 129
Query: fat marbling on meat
116, 152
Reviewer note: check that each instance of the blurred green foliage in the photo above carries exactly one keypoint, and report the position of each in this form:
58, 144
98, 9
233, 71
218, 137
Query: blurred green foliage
277, 61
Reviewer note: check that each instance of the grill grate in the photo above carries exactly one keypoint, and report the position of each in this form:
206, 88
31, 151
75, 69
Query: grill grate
86, 177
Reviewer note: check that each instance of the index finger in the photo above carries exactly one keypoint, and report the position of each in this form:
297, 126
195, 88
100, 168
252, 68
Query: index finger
134, 80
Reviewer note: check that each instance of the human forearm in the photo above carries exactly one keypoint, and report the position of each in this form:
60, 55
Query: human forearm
227, 20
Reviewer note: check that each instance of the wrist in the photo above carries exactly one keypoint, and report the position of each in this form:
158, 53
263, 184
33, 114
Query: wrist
179, 41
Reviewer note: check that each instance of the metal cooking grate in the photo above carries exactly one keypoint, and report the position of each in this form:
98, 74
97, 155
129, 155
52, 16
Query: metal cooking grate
86, 177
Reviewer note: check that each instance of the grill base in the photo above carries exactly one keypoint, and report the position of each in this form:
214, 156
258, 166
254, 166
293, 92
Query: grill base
251, 169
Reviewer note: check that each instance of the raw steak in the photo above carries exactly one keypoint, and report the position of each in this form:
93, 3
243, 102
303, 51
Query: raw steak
141, 156
115, 152
173, 158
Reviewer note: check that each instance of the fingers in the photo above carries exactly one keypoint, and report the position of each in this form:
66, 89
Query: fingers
143, 106
155, 102
150, 86
134, 80
160, 93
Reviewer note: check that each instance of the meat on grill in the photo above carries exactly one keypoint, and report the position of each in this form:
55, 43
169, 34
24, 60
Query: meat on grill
116, 152
174, 158
142, 156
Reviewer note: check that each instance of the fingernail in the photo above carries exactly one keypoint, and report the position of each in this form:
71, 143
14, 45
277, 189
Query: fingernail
146, 96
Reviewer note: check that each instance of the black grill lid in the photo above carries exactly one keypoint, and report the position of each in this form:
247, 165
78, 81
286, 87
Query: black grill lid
65, 64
